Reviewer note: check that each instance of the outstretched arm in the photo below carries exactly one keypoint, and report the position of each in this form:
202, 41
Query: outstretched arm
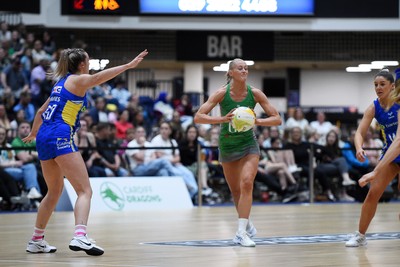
84, 81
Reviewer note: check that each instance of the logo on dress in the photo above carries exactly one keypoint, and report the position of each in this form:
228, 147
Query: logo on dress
57, 89
63, 143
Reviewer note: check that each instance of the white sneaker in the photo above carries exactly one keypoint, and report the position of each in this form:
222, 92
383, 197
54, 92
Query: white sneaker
357, 240
348, 182
85, 244
40, 246
251, 231
243, 239
34, 194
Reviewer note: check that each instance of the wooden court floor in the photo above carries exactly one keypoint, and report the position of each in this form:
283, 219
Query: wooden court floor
288, 235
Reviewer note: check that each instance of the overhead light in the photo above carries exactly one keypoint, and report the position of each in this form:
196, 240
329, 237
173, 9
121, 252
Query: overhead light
371, 66
374, 65
225, 66
358, 69
98, 64
386, 63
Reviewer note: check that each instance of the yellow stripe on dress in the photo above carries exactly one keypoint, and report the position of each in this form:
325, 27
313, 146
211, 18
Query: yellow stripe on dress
71, 139
70, 112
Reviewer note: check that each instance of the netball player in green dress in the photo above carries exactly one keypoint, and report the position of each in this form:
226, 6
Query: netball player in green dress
238, 151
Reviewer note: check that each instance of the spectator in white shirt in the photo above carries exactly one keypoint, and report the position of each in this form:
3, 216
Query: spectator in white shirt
321, 126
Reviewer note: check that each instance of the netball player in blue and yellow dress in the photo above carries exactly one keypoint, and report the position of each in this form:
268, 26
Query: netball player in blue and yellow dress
239, 152
54, 127
385, 111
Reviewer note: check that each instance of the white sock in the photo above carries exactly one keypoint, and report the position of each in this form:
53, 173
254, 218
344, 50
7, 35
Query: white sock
242, 224
249, 225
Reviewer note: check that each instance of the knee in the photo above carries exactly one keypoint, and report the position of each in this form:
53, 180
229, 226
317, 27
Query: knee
247, 184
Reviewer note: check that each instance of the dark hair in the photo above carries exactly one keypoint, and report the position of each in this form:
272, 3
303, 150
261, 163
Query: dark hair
69, 61
385, 74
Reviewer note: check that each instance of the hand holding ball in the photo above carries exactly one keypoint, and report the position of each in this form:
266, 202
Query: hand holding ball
243, 119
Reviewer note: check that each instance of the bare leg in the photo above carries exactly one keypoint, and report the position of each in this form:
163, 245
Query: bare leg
240, 176
54, 180
376, 190
74, 169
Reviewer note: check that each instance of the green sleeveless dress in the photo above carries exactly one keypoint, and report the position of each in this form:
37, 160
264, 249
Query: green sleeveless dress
235, 145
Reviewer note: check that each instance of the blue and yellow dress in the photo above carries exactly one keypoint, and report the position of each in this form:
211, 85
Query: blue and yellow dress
388, 122
60, 122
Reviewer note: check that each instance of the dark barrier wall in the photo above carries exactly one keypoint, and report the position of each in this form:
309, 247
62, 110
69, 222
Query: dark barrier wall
23, 6
356, 9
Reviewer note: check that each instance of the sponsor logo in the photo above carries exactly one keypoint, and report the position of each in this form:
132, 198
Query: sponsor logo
57, 89
112, 196
55, 98
63, 143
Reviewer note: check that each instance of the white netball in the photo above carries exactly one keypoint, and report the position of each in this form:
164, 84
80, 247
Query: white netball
243, 120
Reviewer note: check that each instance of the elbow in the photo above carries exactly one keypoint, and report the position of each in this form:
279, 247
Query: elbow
196, 119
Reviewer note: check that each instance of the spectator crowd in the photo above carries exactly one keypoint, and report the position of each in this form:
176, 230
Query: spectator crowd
124, 134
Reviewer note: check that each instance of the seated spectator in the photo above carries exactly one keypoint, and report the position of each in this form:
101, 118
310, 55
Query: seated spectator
301, 150
143, 161
49, 45
335, 164
372, 147
271, 165
86, 143
4, 121
273, 132
10, 193
163, 139
19, 117
188, 149
120, 94
123, 124
25, 104
99, 111
20, 164
321, 127
110, 160
298, 120
38, 52
14, 79
41, 85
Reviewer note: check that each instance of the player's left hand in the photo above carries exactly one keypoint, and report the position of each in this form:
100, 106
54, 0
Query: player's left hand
30, 138
365, 179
